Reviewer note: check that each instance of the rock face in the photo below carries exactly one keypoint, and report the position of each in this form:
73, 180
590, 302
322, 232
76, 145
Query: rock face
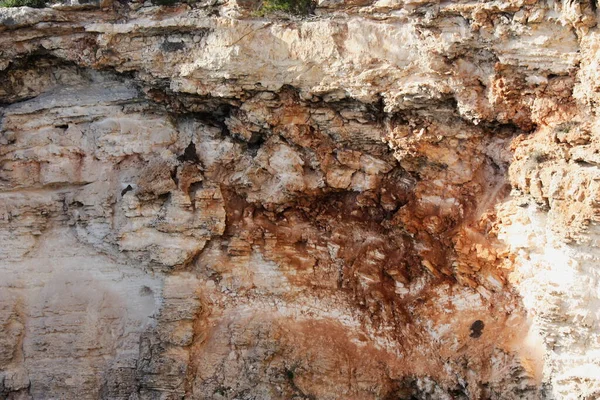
384, 200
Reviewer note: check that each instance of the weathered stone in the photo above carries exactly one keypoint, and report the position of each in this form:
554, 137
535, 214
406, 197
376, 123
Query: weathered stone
386, 200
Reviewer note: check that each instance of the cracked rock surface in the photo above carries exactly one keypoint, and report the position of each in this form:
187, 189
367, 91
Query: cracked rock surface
384, 200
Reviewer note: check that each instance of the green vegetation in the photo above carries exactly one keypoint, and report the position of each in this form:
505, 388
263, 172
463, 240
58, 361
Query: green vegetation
282, 8
23, 3
289, 7
165, 2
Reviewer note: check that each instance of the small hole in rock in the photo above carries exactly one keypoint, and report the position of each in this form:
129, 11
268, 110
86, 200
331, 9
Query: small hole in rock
127, 189
146, 291
477, 328
254, 144
171, 46
289, 374
189, 154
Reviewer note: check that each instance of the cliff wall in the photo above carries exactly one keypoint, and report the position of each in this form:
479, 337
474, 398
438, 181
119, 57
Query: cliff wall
380, 200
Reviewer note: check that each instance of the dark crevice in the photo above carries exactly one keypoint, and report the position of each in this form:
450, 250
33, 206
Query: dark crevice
194, 187
254, 146
190, 154
583, 163
127, 189
164, 197
174, 176
170, 47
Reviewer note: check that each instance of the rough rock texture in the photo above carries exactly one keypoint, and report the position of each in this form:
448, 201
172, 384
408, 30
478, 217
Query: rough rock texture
385, 200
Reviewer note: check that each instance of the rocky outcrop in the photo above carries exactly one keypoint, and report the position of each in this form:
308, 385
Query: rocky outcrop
384, 200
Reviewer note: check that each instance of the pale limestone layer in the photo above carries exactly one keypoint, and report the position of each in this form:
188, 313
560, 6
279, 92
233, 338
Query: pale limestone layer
394, 199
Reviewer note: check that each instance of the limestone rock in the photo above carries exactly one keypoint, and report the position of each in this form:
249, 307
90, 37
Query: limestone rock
383, 200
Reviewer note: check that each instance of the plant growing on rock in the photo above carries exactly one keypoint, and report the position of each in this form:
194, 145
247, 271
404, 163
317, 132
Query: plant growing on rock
286, 7
22, 3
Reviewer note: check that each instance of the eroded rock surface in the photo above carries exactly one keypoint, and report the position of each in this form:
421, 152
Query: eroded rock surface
384, 200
